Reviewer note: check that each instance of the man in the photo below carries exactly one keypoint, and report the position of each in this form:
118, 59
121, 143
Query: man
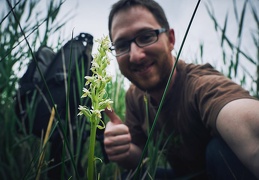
213, 121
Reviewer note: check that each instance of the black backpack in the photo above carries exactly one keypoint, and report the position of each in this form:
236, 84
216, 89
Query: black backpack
64, 73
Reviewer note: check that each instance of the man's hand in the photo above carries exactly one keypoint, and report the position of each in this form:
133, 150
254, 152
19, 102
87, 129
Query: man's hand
117, 138
117, 142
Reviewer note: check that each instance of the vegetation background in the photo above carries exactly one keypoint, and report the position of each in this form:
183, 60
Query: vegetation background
20, 152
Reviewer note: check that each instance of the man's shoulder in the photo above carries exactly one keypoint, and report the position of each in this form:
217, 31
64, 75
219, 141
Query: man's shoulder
191, 70
197, 68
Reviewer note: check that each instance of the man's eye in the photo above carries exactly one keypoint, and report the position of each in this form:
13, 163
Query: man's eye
121, 46
146, 38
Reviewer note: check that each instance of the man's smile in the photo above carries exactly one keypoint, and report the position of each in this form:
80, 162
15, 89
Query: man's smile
142, 69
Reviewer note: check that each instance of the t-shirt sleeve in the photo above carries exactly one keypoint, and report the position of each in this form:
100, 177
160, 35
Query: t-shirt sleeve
212, 93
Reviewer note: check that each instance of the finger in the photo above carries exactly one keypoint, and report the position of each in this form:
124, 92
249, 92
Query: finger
113, 116
118, 157
115, 129
117, 140
115, 150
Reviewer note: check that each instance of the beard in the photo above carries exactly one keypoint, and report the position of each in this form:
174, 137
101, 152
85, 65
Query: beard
155, 82
150, 87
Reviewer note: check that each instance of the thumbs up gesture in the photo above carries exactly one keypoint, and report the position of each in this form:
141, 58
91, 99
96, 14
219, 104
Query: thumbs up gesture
117, 138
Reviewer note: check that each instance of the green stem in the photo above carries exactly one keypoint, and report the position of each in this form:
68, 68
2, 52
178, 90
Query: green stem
90, 170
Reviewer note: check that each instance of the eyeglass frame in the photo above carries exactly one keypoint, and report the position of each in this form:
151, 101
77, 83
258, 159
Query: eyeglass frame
157, 32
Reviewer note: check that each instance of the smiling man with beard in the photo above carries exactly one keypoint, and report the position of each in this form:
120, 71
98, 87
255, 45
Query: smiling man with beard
215, 121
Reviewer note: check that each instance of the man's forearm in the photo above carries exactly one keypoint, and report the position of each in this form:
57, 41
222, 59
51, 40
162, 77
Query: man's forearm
240, 131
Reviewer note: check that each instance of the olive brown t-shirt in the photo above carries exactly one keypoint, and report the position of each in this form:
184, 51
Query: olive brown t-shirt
187, 120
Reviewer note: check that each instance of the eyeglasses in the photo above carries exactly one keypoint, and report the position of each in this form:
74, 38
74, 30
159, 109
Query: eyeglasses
141, 40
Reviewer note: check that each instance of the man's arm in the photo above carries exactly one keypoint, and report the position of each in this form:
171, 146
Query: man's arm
238, 124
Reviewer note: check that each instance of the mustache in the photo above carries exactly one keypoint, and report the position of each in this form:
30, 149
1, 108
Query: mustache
142, 65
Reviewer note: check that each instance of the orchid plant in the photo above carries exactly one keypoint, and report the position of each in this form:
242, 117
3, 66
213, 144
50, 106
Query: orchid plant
95, 89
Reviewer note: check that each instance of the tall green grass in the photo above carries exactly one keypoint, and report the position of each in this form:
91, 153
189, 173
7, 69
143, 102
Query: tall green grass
23, 29
237, 59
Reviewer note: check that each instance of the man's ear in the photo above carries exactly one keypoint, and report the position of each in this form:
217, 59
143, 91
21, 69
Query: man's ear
171, 37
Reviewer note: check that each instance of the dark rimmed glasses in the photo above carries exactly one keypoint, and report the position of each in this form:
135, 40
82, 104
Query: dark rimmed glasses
141, 40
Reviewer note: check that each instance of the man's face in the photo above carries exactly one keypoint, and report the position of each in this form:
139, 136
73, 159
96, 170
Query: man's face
147, 67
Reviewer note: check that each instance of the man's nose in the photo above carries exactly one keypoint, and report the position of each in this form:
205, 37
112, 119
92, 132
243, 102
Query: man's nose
136, 53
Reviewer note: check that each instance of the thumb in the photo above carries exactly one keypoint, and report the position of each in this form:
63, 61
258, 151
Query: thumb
114, 118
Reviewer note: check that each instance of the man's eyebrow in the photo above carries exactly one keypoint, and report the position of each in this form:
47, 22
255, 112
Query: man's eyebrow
143, 31
120, 39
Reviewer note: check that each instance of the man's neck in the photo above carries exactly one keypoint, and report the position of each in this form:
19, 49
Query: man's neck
156, 96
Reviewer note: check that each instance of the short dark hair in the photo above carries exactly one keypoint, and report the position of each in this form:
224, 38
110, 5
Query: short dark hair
150, 5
